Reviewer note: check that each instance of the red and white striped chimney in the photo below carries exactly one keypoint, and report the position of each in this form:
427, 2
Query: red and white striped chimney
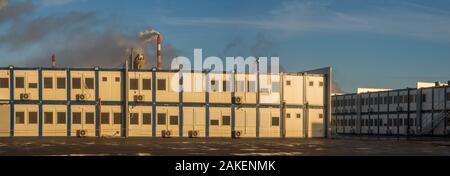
158, 51
53, 61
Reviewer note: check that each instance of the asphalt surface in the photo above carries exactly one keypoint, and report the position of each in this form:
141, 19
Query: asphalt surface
219, 146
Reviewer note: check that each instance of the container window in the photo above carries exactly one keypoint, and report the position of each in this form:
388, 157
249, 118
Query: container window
321, 84
226, 120
117, 118
161, 84
134, 84
89, 83
105, 118
299, 116
288, 82
61, 83
20, 118
48, 83
251, 86
48, 117
90, 118
76, 118
320, 116
117, 79
146, 118
76, 83
61, 118
174, 120
32, 85
32, 117
134, 119
311, 83
424, 98
4, 83
147, 84
161, 118
104, 79
275, 121
275, 87
20, 82
288, 115
214, 122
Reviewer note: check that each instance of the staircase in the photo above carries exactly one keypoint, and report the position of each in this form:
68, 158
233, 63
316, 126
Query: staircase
430, 124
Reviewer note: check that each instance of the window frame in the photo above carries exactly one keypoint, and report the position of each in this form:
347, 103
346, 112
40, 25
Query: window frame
48, 82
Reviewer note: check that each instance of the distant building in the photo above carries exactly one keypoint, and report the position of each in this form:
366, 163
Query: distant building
402, 112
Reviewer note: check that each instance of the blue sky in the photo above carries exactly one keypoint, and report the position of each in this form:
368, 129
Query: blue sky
370, 43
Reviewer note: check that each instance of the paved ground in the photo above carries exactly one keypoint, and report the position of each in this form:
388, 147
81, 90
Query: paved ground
219, 146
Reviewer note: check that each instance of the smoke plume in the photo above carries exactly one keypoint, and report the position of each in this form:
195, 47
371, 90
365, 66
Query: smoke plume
78, 39
149, 35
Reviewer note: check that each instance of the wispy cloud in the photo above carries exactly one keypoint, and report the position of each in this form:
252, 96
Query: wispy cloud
399, 18
58, 2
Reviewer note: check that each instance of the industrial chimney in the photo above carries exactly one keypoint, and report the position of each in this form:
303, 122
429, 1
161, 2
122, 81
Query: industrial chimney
53, 61
158, 51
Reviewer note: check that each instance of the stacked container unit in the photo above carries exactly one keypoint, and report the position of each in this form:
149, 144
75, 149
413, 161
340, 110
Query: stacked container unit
65, 101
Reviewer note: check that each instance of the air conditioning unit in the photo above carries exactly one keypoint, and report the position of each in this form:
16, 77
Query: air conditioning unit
139, 98
193, 133
236, 100
81, 133
235, 134
24, 96
166, 133
399, 108
80, 97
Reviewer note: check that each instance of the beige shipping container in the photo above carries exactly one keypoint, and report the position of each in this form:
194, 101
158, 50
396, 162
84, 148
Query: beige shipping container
246, 88
294, 123
110, 85
315, 88
293, 89
140, 119
220, 85
270, 89
26, 121
167, 119
4, 85
54, 121
4, 119
316, 119
194, 120
245, 121
83, 84
165, 90
110, 121
270, 122
83, 118
54, 85
220, 122
193, 87
26, 82
140, 85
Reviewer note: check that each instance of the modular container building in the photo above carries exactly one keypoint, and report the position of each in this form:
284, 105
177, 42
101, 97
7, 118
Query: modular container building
403, 112
145, 103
